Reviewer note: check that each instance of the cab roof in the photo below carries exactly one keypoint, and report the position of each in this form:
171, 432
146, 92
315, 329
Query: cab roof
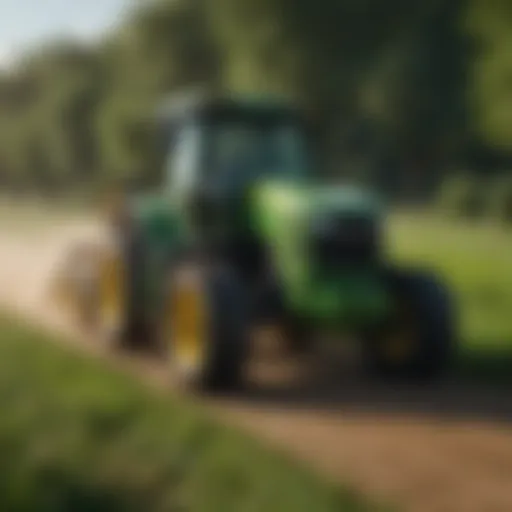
204, 106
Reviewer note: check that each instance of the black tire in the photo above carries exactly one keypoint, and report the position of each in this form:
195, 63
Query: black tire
431, 325
133, 252
227, 338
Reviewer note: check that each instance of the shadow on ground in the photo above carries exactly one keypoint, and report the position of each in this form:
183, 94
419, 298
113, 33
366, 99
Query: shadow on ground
478, 389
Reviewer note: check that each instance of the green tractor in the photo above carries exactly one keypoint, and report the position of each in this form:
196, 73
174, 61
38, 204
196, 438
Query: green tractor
243, 233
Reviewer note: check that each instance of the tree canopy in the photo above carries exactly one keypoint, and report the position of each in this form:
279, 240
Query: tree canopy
402, 84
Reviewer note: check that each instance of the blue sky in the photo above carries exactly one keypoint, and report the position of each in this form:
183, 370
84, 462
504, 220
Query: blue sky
24, 23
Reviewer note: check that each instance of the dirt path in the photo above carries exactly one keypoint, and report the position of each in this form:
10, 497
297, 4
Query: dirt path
446, 449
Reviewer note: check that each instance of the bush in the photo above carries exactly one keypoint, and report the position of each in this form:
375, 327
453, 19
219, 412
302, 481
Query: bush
500, 199
463, 196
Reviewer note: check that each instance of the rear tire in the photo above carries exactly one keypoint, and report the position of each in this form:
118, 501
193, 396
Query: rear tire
125, 327
423, 321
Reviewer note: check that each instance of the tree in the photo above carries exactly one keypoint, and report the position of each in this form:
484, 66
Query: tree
489, 22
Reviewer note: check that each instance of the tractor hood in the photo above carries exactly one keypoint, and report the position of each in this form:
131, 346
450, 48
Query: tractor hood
291, 217
303, 202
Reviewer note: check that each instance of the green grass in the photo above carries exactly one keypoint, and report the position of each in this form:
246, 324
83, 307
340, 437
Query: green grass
76, 436
476, 262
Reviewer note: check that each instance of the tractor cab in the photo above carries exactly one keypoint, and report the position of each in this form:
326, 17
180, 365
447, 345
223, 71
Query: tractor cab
220, 148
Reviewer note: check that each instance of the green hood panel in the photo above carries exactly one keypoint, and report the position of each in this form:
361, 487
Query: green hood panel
284, 214
349, 199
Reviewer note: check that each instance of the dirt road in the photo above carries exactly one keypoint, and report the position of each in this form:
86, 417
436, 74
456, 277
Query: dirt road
446, 449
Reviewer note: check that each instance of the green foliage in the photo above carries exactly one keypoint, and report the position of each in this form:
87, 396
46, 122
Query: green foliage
72, 116
469, 197
463, 196
489, 22
393, 81
75, 436
500, 199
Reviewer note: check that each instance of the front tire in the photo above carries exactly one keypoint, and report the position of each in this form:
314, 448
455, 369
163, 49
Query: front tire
418, 341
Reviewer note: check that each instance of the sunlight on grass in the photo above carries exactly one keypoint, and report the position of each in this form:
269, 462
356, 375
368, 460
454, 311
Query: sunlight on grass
76, 436
476, 262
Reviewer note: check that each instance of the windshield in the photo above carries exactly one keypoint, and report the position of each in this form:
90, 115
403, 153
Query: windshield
242, 152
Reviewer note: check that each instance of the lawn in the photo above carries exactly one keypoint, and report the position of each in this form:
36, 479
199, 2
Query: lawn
77, 436
475, 259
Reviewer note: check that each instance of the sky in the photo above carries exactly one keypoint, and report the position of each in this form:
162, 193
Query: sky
26, 23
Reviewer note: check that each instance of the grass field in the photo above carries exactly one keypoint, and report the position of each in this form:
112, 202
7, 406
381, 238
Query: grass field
77, 437
476, 262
